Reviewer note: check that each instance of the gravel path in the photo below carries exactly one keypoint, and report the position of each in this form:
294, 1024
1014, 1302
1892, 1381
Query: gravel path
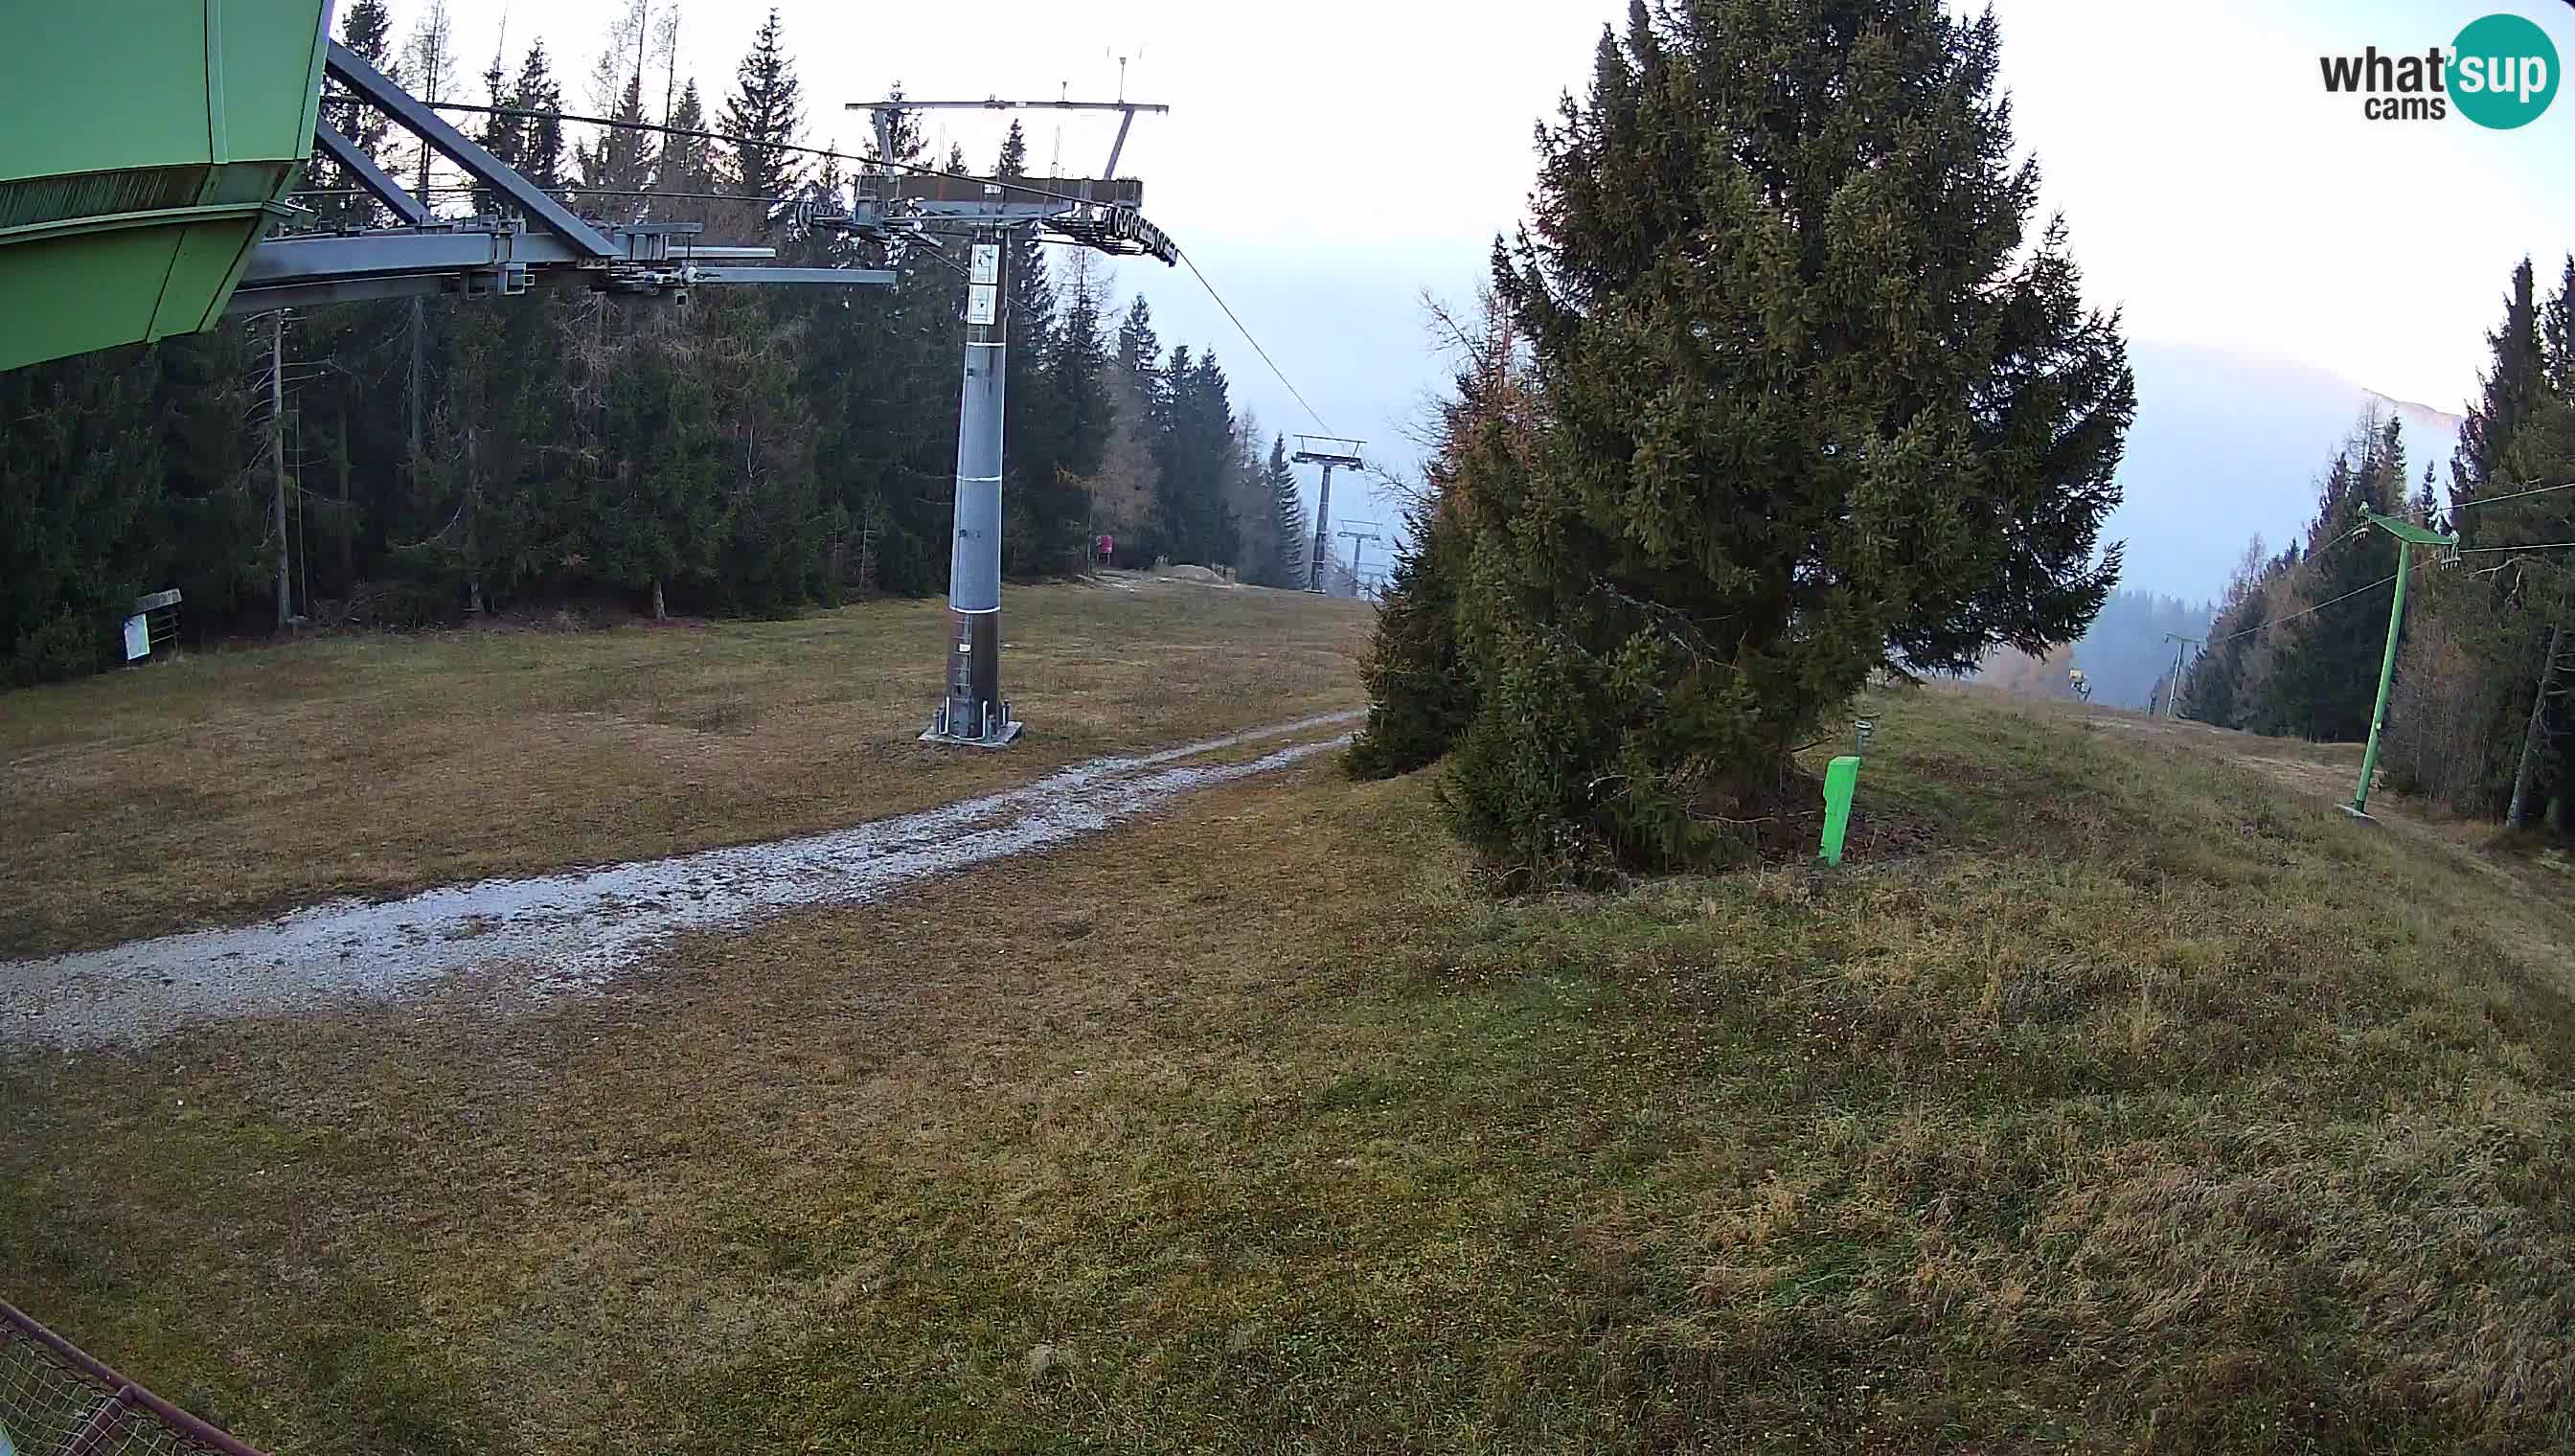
564, 934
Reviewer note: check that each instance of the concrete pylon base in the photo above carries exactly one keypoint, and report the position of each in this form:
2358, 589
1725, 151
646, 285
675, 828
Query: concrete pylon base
1003, 729
1001, 739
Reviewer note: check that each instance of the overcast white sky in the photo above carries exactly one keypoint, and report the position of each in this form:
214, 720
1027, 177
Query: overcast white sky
1326, 161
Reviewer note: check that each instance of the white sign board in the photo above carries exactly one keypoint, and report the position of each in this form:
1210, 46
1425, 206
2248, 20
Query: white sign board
988, 263
138, 644
982, 302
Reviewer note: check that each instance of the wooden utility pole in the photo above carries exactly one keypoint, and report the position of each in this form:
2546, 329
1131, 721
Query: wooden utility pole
411, 396
2527, 780
277, 461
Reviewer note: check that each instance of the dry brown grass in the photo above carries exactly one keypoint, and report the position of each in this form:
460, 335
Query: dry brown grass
232, 784
2150, 1106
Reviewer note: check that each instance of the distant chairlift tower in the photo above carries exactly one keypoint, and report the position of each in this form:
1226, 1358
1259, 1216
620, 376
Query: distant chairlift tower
1358, 537
1098, 213
1329, 452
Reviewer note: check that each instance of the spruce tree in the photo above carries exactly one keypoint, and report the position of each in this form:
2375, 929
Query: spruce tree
366, 27
541, 137
1147, 387
1818, 403
504, 134
1079, 365
1077, 388
1140, 352
2536, 591
2212, 688
532, 144
80, 484
1044, 509
621, 160
2322, 679
1423, 694
1194, 453
342, 421
765, 113
428, 73
688, 162
1250, 504
1175, 472
1123, 490
214, 538
880, 376
777, 523
2511, 384
1295, 531
2557, 334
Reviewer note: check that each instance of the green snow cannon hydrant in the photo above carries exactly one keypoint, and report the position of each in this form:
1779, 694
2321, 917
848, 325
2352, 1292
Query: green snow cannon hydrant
1841, 781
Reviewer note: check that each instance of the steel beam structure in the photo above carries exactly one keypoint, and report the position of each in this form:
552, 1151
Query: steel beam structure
378, 183
489, 257
728, 273
543, 244
379, 91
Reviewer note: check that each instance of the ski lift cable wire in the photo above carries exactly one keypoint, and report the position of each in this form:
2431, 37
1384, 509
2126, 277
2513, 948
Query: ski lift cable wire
2304, 612
2383, 581
1195, 272
2515, 496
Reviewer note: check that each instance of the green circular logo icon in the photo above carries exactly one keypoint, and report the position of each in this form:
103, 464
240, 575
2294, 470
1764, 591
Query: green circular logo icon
2503, 72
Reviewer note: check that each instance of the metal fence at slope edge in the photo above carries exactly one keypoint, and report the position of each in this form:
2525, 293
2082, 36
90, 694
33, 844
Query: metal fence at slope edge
57, 1401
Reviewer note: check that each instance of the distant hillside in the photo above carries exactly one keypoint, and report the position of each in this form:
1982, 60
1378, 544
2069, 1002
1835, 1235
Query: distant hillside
2227, 445
2125, 651
2422, 422
2124, 656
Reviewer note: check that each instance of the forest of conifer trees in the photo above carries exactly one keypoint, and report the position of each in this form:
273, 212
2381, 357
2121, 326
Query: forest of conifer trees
756, 451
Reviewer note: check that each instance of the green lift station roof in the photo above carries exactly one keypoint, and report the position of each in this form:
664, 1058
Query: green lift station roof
144, 148
2408, 531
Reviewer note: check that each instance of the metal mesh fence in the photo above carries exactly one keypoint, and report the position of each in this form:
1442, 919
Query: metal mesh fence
56, 1401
